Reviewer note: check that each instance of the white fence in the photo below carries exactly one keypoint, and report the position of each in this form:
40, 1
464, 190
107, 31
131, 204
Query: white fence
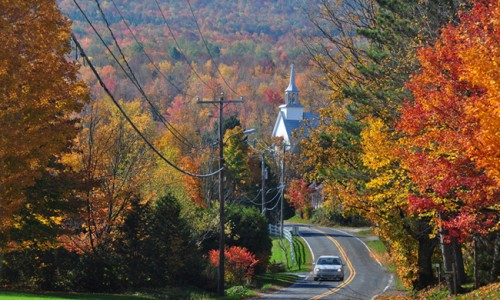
287, 234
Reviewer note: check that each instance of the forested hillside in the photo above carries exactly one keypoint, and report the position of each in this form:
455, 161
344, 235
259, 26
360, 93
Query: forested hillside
182, 50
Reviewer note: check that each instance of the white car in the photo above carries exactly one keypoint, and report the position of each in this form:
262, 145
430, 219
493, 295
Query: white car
328, 267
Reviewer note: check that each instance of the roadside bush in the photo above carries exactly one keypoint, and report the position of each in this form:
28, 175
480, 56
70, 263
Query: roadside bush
276, 267
239, 264
95, 273
249, 230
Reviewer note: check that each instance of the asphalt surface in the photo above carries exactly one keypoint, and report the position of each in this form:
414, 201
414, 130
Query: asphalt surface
364, 277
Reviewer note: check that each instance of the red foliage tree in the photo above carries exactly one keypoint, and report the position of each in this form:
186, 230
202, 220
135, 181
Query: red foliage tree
274, 98
298, 194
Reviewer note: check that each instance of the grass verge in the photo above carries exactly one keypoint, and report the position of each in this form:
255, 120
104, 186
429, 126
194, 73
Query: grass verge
281, 255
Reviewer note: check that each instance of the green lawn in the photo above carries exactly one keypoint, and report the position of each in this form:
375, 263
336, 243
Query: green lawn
61, 296
171, 293
281, 254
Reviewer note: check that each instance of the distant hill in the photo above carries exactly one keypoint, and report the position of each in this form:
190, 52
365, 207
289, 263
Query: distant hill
253, 42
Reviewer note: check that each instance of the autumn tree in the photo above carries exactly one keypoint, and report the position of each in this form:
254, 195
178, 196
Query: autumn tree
236, 157
117, 162
40, 93
179, 140
367, 56
298, 195
460, 195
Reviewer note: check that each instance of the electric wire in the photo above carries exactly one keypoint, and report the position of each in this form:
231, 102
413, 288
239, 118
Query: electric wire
208, 49
179, 47
151, 146
260, 203
165, 122
131, 76
147, 54
277, 202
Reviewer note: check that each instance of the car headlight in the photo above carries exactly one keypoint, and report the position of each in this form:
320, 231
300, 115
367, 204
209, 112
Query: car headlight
339, 270
317, 270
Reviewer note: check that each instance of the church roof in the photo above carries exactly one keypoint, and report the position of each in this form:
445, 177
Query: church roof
310, 118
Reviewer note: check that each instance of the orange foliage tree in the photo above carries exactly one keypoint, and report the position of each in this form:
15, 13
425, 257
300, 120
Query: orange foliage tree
39, 91
442, 128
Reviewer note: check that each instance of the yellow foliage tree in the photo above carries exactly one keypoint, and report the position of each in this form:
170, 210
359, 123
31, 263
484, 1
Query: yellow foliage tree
118, 168
385, 200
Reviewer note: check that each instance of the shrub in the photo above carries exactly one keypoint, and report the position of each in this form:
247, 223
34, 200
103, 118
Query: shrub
249, 230
239, 292
239, 264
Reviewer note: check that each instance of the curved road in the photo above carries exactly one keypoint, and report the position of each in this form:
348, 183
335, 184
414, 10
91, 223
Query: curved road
364, 278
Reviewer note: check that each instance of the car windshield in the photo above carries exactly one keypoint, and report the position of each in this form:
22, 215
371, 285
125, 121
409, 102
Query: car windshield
329, 261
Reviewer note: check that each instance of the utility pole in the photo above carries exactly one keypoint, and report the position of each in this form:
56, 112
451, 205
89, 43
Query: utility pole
283, 189
263, 166
220, 274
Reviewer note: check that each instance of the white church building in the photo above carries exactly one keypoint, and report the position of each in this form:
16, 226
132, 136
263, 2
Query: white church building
291, 115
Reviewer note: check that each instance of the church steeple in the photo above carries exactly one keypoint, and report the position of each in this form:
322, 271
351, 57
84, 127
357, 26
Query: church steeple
292, 92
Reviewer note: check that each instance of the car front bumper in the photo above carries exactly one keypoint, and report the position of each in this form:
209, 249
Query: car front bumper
329, 275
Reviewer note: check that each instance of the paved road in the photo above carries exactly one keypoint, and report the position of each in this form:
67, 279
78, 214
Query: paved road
364, 276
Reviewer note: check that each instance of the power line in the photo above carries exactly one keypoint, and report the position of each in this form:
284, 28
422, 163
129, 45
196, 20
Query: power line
208, 49
131, 76
258, 194
179, 47
165, 122
101, 82
278, 202
147, 55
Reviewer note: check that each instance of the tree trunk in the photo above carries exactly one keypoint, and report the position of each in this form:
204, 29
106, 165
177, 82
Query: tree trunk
1, 261
426, 247
496, 253
448, 263
476, 275
459, 263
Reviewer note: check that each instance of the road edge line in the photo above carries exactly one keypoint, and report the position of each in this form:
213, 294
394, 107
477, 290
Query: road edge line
366, 246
